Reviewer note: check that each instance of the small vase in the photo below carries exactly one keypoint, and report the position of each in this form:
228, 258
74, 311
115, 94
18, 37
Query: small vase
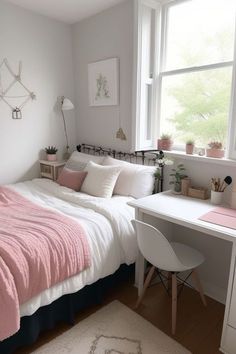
177, 188
51, 157
216, 153
189, 149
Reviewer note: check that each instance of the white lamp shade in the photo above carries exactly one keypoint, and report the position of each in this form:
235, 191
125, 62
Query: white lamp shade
67, 105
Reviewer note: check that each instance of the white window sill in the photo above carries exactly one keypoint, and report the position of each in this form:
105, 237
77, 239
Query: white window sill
195, 157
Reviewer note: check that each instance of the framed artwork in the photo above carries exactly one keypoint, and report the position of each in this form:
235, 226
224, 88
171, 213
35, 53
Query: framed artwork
103, 82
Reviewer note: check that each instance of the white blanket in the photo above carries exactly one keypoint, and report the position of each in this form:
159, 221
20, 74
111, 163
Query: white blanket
107, 223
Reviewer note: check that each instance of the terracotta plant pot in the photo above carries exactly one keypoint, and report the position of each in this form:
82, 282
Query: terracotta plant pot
189, 149
216, 153
164, 144
51, 157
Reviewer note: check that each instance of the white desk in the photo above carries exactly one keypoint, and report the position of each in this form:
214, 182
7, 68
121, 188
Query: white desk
185, 211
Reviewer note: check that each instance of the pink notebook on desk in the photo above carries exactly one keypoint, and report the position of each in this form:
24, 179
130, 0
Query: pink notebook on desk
221, 216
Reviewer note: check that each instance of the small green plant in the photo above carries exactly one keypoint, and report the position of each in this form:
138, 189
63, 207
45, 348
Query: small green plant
177, 174
190, 142
51, 150
165, 136
215, 145
161, 161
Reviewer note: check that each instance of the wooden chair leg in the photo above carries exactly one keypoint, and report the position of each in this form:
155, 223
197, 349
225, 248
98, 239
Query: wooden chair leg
199, 286
174, 302
145, 286
169, 281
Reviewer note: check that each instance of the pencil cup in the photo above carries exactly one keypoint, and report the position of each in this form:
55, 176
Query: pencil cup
216, 197
233, 200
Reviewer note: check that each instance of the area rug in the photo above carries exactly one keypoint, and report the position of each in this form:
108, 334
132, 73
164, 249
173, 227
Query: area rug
115, 329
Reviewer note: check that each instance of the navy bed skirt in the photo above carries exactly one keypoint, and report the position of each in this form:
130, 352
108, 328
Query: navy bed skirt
63, 309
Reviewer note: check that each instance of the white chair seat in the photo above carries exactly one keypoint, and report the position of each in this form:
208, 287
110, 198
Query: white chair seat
189, 257
173, 257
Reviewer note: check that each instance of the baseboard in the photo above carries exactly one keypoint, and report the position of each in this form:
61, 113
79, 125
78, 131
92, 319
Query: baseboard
215, 292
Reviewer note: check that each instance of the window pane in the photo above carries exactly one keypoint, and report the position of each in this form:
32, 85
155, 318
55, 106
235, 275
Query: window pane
146, 112
196, 105
200, 32
147, 33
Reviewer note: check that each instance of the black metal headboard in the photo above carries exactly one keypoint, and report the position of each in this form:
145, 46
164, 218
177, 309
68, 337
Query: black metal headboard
144, 157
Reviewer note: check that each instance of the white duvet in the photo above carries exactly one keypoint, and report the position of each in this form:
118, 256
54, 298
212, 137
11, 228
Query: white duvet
107, 223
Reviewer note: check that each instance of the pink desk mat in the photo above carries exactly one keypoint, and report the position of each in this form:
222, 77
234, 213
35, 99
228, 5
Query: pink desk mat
221, 216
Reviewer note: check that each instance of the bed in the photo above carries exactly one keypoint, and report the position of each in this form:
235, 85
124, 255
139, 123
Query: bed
111, 240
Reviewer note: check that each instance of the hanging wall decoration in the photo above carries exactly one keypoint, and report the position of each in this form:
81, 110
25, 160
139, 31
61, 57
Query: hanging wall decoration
12, 90
103, 82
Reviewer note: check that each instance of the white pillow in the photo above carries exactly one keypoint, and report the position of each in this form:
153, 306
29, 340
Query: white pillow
100, 180
134, 180
78, 160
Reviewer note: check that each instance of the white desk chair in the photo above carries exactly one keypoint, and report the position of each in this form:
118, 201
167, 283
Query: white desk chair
172, 257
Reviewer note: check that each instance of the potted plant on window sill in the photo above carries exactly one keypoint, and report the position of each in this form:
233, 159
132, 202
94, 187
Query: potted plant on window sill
165, 142
215, 150
51, 152
189, 147
177, 174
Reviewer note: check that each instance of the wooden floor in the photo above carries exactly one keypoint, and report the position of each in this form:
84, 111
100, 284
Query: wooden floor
198, 328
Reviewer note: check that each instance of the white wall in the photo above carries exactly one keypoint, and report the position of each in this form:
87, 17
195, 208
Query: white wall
105, 35
45, 48
201, 173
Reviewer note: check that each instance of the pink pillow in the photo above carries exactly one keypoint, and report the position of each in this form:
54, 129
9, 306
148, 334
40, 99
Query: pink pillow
71, 179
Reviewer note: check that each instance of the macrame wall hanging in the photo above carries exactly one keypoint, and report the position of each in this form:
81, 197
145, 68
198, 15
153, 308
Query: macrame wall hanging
13, 79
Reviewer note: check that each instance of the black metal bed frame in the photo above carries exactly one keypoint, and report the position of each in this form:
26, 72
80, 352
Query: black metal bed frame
143, 157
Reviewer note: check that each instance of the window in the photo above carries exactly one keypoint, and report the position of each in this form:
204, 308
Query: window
190, 77
196, 70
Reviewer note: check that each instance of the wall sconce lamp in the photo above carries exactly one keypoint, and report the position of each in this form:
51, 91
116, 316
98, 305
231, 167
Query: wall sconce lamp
66, 105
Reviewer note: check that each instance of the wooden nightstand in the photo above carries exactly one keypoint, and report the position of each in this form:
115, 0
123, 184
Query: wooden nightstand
51, 170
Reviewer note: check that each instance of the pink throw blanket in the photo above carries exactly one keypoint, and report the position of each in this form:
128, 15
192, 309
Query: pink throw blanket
38, 249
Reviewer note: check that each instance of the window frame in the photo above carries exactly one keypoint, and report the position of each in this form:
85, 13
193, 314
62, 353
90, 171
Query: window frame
159, 73
138, 79
194, 69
